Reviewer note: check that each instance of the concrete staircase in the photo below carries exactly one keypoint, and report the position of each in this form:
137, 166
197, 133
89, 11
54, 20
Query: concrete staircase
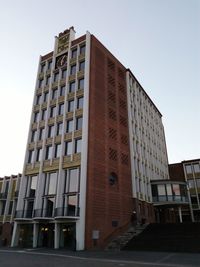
119, 242
171, 237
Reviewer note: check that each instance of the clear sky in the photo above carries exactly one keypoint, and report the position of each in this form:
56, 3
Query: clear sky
159, 40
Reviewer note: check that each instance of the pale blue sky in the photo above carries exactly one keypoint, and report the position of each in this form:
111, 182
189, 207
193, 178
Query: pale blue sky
159, 40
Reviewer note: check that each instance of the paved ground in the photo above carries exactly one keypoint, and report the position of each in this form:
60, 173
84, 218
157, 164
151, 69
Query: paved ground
61, 258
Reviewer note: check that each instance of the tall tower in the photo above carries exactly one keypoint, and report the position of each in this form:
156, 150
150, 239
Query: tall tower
78, 186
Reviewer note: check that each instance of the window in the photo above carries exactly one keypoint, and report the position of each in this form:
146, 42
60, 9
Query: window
50, 131
48, 80
30, 156
82, 65
81, 83
71, 106
59, 128
53, 112
73, 70
68, 148
73, 182
52, 183
79, 122
38, 98
41, 134
78, 143
46, 96
54, 93
191, 183
29, 210
49, 65
10, 208
48, 152
69, 126
36, 117
3, 207
62, 90
82, 49
44, 113
56, 77
50, 205
188, 169
61, 109
161, 190
40, 84
64, 73
196, 168
72, 203
39, 154
42, 68
71, 87
57, 150
74, 53
33, 136
80, 102
33, 184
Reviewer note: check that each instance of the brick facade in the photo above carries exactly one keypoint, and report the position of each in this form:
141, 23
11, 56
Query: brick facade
109, 205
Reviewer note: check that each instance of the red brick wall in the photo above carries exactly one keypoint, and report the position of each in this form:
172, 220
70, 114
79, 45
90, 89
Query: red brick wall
6, 234
176, 172
108, 148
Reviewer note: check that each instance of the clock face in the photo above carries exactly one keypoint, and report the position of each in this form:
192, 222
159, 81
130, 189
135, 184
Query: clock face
61, 61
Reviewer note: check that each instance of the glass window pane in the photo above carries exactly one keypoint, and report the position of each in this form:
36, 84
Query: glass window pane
78, 143
57, 150
176, 189
59, 128
69, 126
81, 83
169, 189
73, 69
72, 203
80, 102
79, 122
196, 168
74, 53
188, 168
71, 106
73, 180
191, 183
33, 186
71, 87
161, 190
82, 49
52, 183
68, 148
62, 90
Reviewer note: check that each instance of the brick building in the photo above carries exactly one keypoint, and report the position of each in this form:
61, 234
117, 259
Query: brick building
95, 142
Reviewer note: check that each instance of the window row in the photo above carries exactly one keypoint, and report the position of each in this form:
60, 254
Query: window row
61, 92
53, 130
74, 53
58, 110
61, 75
71, 147
71, 183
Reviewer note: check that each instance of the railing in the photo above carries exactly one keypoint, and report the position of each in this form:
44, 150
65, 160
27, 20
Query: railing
3, 195
71, 212
172, 198
47, 213
23, 214
44, 213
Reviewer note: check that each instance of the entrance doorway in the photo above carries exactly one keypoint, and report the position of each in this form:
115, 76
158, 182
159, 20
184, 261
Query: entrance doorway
68, 236
46, 235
